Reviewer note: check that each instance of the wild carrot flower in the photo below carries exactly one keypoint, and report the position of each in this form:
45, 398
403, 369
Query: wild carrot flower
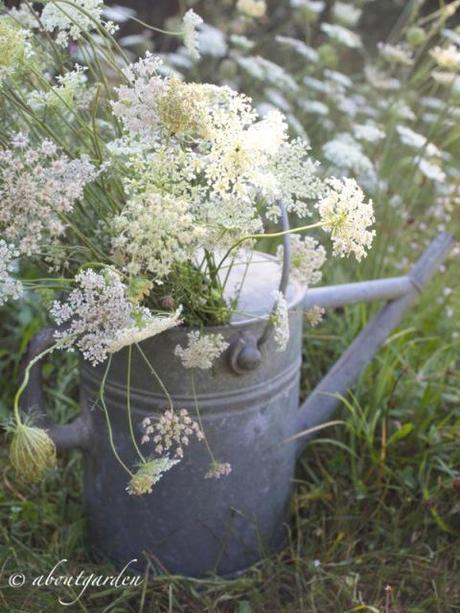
72, 20
171, 432
94, 312
307, 258
9, 286
37, 186
447, 58
280, 322
146, 326
202, 350
32, 451
315, 315
191, 21
347, 217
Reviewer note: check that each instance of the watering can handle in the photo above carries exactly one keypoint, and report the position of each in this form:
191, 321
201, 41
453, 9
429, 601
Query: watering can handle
244, 352
75, 434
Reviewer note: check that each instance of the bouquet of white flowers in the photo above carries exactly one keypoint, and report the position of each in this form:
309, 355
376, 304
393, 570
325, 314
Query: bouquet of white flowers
126, 192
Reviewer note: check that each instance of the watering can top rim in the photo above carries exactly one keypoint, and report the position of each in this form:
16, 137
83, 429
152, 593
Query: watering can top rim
259, 276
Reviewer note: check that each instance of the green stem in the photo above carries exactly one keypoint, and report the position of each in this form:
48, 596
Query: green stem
198, 414
157, 377
128, 403
25, 381
109, 427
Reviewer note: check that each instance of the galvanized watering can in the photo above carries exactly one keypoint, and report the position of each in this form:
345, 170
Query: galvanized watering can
249, 405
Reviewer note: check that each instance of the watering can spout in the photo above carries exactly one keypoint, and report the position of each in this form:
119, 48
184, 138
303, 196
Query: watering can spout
401, 293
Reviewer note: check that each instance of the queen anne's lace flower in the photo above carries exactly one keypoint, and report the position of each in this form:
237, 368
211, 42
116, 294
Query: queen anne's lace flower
346, 14
413, 139
447, 57
9, 287
314, 316
153, 232
347, 217
94, 312
217, 470
171, 432
342, 35
149, 473
36, 187
280, 321
202, 350
307, 258
345, 153
396, 54
73, 19
368, 132
191, 21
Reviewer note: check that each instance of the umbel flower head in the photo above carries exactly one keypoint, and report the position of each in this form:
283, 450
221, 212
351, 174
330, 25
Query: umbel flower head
347, 217
148, 474
32, 451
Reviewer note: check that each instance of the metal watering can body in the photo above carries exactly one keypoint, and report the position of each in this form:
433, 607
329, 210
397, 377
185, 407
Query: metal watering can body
249, 406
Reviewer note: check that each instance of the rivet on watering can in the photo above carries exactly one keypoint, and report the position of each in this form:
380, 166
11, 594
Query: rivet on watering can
244, 354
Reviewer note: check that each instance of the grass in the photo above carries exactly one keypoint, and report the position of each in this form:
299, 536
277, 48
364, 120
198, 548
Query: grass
375, 516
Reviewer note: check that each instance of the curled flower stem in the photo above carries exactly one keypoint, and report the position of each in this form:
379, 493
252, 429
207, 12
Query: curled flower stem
25, 381
128, 402
109, 426
157, 377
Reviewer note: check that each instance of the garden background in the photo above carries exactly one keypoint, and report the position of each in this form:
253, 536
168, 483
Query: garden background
376, 514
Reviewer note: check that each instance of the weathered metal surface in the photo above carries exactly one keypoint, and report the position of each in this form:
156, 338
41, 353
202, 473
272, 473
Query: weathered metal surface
192, 525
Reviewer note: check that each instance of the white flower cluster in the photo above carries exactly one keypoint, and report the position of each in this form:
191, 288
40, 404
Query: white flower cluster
396, 54
307, 258
347, 217
346, 13
74, 18
171, 432
280, 321
201, 158
148, 474
447, 57
94, 312
345, 153
191, 21
37, 186
9, 287
314, 316
342, 35
154, 231
201, 350
70, 91
368, 132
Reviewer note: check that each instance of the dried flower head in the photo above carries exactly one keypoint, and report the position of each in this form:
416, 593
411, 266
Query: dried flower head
217, 470
171, 432
347, 217
32, 452
202, 350
149, 473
